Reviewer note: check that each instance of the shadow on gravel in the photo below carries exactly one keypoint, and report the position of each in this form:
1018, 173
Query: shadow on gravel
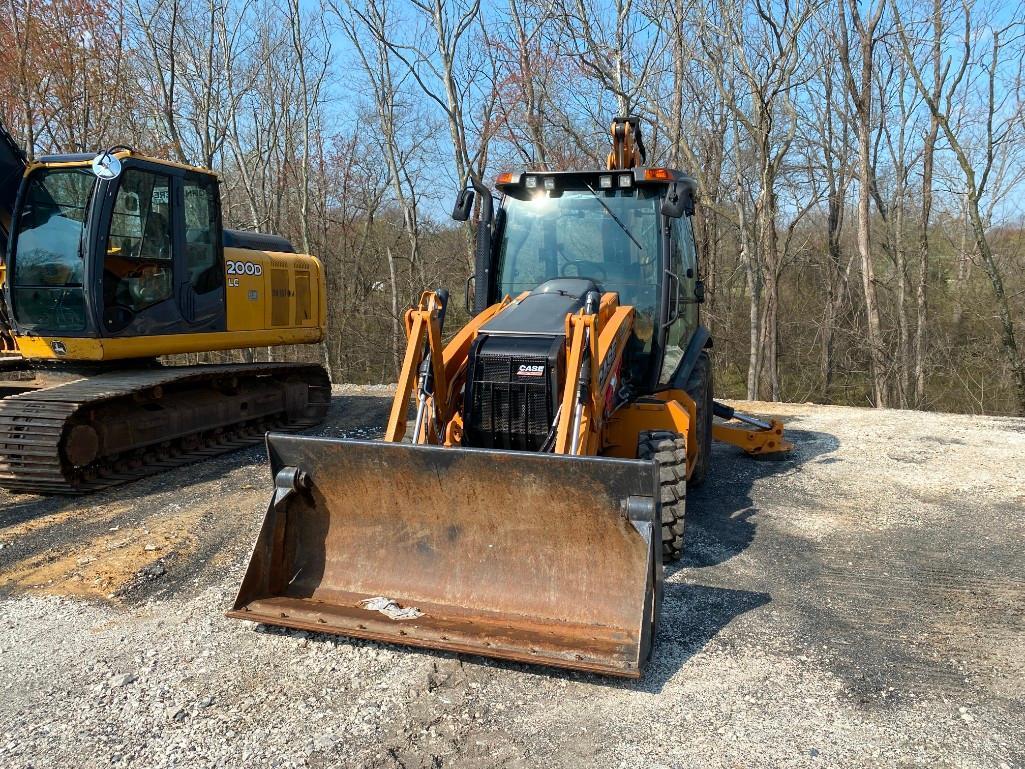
29, 528
719, 517
692, 615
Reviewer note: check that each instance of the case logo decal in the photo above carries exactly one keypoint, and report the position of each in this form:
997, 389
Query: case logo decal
525, 370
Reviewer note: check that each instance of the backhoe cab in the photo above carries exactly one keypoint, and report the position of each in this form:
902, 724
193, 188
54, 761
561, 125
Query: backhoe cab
554, 437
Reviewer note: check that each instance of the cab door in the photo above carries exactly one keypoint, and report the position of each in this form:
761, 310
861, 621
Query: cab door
137, 254
689, 274
161, 255
201, 275
681, 298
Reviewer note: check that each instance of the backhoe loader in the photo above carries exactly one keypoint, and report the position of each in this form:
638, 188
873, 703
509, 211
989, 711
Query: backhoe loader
111, 260
526, 510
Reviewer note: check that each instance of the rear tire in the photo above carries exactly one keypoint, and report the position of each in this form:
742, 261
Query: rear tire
669, 449
699, 388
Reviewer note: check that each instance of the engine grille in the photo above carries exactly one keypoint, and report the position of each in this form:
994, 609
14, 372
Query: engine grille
512, 401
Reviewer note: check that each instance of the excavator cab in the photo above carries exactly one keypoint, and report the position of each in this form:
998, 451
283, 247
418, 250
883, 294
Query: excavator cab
134, 253
113, 260
119, 255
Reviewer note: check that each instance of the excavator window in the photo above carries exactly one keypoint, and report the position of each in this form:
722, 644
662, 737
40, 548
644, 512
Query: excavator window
138, 268
48, 254
202, 255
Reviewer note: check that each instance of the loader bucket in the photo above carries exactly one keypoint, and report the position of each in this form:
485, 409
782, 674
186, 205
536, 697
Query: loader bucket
539, 558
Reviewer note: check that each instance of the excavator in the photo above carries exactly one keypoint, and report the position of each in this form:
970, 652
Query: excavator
527, 509
110, 261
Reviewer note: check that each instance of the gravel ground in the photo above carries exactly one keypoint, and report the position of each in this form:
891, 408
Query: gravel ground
858, 605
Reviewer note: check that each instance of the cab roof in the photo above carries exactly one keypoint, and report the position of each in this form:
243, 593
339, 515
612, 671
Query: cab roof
511, 181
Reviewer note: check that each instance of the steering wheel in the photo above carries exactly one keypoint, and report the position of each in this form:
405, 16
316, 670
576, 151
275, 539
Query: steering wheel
589, 266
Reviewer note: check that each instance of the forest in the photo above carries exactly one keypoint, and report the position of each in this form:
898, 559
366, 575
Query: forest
860, 165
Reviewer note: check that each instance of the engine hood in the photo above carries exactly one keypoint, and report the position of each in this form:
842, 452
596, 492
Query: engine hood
543, 311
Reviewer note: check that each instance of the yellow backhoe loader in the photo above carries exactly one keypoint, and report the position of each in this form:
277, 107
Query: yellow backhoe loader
112, 260
527, 511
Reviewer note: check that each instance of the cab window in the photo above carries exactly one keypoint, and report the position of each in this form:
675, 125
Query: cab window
48, 252
675, 335
138, 266
682, 263
202, 255
610, 236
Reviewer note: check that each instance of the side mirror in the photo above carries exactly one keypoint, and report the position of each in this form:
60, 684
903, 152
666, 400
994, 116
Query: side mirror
464, 205
679, 200
106, 166
442, 295
699, 291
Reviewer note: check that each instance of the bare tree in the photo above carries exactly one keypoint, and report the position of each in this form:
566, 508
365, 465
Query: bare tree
763, 61
859, 85
1000, 55
399, 136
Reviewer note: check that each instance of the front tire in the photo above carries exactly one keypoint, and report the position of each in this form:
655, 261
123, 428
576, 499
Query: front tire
669, 449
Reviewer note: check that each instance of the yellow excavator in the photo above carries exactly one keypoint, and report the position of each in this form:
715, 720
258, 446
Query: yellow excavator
112, 260
526, 510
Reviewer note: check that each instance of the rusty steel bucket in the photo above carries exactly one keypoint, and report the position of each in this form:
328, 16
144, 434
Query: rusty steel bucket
540, 558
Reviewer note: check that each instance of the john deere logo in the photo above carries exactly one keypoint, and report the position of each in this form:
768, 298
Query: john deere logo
59, 348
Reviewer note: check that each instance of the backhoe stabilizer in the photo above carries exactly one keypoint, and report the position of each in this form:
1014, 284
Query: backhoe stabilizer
539, 558
755, 436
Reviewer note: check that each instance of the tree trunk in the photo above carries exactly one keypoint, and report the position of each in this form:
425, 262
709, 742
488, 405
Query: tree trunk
1008, 337
875, 342
929, 146
834, 282
903, 333
921, 290
396, 336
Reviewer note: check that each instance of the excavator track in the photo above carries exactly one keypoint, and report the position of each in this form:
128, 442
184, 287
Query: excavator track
104, 430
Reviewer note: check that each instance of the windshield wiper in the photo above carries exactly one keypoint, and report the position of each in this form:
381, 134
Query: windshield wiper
614, 217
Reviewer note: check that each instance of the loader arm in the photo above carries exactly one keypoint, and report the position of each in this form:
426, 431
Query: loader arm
424, 339
596, 345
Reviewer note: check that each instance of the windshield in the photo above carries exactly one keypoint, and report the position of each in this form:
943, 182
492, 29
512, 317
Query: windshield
48, 260
575, 235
